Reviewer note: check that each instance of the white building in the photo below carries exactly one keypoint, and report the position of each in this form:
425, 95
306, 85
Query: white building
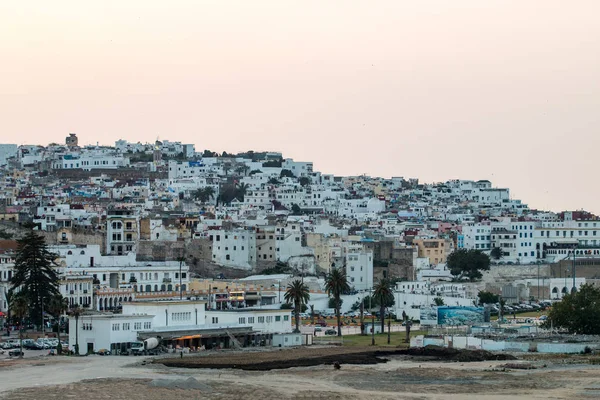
359, 269
7, 151
177, 323
234, 248
477, 237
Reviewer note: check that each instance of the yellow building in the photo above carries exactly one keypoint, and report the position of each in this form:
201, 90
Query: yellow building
436, 250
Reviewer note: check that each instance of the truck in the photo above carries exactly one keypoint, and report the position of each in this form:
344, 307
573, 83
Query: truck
145, 347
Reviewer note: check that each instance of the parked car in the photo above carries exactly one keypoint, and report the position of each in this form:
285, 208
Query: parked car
15, 353
331, 332
318, 329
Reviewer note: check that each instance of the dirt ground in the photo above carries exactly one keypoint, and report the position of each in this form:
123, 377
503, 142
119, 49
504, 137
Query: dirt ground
306, 357
402, 376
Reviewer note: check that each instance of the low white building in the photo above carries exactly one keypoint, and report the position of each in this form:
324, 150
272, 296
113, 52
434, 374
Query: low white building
177, 324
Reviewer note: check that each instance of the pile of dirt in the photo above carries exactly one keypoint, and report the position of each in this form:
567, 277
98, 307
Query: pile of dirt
459, 355
307, 357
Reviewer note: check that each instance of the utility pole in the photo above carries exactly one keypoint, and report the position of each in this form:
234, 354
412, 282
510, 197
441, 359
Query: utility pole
538, 285
574, 287
372, 320
180, 287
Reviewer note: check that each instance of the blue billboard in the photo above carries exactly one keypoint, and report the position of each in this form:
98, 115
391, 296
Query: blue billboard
457, 315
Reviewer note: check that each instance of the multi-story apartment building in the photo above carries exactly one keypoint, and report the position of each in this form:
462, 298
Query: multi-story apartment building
477, 237
436, 250
359, 269
122, 231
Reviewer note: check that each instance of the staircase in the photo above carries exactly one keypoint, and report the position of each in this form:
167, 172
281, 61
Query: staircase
235, 342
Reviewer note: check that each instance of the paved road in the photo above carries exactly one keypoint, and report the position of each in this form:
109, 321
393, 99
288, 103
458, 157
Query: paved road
71, 370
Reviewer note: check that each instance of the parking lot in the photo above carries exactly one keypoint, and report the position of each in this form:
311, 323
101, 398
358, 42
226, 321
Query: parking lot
26, 354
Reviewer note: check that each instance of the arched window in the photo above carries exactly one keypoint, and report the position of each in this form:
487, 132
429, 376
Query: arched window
69, 253
82, 252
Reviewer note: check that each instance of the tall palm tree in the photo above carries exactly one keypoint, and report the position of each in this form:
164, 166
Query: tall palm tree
336, 284
9, 296
20, 307
383, 292
56, 307
75, 311
241, 191
204, 194
297, 293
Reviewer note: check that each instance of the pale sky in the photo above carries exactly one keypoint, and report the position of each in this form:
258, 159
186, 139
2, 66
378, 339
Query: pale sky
502, 90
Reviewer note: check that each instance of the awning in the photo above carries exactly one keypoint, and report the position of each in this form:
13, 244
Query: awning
189, 337
2, 314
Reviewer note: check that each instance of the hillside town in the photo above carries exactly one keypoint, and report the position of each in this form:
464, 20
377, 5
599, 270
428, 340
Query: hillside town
198, 248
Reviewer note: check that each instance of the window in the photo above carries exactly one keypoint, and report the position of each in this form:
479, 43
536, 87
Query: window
242, 320
215, 320
115, 327
250, 320
277, 318
137, 326
126, 326
147, 325
286, 317
261, 320
269, 319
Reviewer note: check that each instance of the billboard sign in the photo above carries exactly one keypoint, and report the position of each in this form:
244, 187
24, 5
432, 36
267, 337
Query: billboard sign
428, 316
449, 315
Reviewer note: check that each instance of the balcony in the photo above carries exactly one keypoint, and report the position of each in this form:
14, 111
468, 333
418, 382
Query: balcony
167, 280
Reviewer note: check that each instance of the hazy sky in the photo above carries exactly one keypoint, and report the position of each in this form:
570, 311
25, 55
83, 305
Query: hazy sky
501, 90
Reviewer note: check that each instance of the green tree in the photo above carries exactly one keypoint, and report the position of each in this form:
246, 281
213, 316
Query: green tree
9, 296
496, 253
336, 283
76, 312
438, 301
304, 181
204, 194
226, 167
20, 307
487, 297
384, 295
578, 312
241, 191
209, 154
273, 181
286, 173
465, 263
255, 171
57, 306
296, 210
34, 276
297, 293
332, 304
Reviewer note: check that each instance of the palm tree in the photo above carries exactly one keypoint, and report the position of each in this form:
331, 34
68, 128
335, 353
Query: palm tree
226, 169
382, 293
56, 307
241, 191
297, 292
9, 296
20, 307
204, 194
242, 169
336, 284
76, 312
